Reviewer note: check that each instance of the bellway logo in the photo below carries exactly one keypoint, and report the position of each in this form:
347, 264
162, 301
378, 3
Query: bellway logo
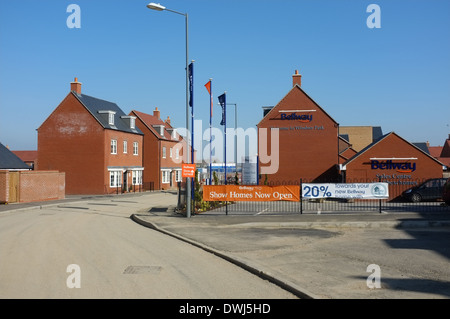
305, 118
401, 167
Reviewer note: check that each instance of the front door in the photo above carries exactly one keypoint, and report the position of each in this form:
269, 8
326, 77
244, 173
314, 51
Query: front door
125, 181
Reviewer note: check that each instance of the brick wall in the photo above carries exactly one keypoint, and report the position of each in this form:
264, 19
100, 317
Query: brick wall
34, 186
359, 136
41, 186
4, 186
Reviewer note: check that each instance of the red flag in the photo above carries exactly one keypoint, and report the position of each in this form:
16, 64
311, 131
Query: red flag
208, 87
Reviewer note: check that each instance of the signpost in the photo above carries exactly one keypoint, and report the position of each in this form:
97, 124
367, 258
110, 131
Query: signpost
188, 170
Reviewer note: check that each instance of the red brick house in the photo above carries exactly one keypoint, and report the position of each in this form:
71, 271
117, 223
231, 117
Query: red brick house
442, 154
94, 142
308, 139
163, 150
393, 160
28, 157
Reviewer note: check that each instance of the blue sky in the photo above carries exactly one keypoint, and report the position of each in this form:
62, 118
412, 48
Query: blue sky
396, 76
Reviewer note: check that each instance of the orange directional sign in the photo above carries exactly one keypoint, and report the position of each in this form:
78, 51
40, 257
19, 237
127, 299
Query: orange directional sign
188, 170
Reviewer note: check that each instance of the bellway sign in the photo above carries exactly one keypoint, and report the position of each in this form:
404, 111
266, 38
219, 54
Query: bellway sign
355, 190
188, 170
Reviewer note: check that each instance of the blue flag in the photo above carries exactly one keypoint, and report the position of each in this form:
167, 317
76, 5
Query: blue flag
191, 84
223, 103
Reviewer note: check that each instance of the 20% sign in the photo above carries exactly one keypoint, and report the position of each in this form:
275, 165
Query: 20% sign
315, 191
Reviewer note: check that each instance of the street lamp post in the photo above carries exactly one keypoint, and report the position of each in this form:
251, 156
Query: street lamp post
159, 7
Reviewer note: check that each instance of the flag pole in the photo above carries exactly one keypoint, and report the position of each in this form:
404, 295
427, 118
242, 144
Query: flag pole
191, 103
209, 88
223, 102
225, 131
211, 103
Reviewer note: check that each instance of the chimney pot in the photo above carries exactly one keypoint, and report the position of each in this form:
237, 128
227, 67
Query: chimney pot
156, 113
75, 86
296, 79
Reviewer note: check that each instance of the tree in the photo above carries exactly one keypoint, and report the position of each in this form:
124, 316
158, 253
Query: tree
197, 195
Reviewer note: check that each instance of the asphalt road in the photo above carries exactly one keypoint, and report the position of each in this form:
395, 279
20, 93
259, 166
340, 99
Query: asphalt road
328, 255
114, 257
158, 253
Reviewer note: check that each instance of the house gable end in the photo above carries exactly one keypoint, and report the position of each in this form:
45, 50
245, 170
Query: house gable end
305, 102
446, 149
153, 125
382, 140
140, 117
61, 117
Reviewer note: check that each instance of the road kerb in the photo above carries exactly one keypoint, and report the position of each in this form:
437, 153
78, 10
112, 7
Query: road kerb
249, 266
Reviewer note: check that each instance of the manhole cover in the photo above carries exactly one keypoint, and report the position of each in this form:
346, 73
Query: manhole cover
158, 209
135, 270
102, 204
73, 207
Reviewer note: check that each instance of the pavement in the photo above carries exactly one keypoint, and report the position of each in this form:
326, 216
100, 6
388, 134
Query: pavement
273, 246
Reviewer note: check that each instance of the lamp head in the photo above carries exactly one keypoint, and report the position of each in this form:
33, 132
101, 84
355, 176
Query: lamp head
156, 6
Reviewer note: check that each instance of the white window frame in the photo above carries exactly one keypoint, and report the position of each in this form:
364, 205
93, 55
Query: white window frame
165, 176
125, 147
177, 153
113, 146
136, 177
135, 148
111, 118
115, 178
174, 134
170, 152
178, 176
164, 152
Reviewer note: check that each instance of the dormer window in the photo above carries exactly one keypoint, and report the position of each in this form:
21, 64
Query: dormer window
130, 120
159, 129
173, 133
110, 115
111, 118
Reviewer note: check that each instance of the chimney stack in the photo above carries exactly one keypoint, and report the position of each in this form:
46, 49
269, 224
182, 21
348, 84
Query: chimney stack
156, 113
296, 79
75, 86
168, 120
